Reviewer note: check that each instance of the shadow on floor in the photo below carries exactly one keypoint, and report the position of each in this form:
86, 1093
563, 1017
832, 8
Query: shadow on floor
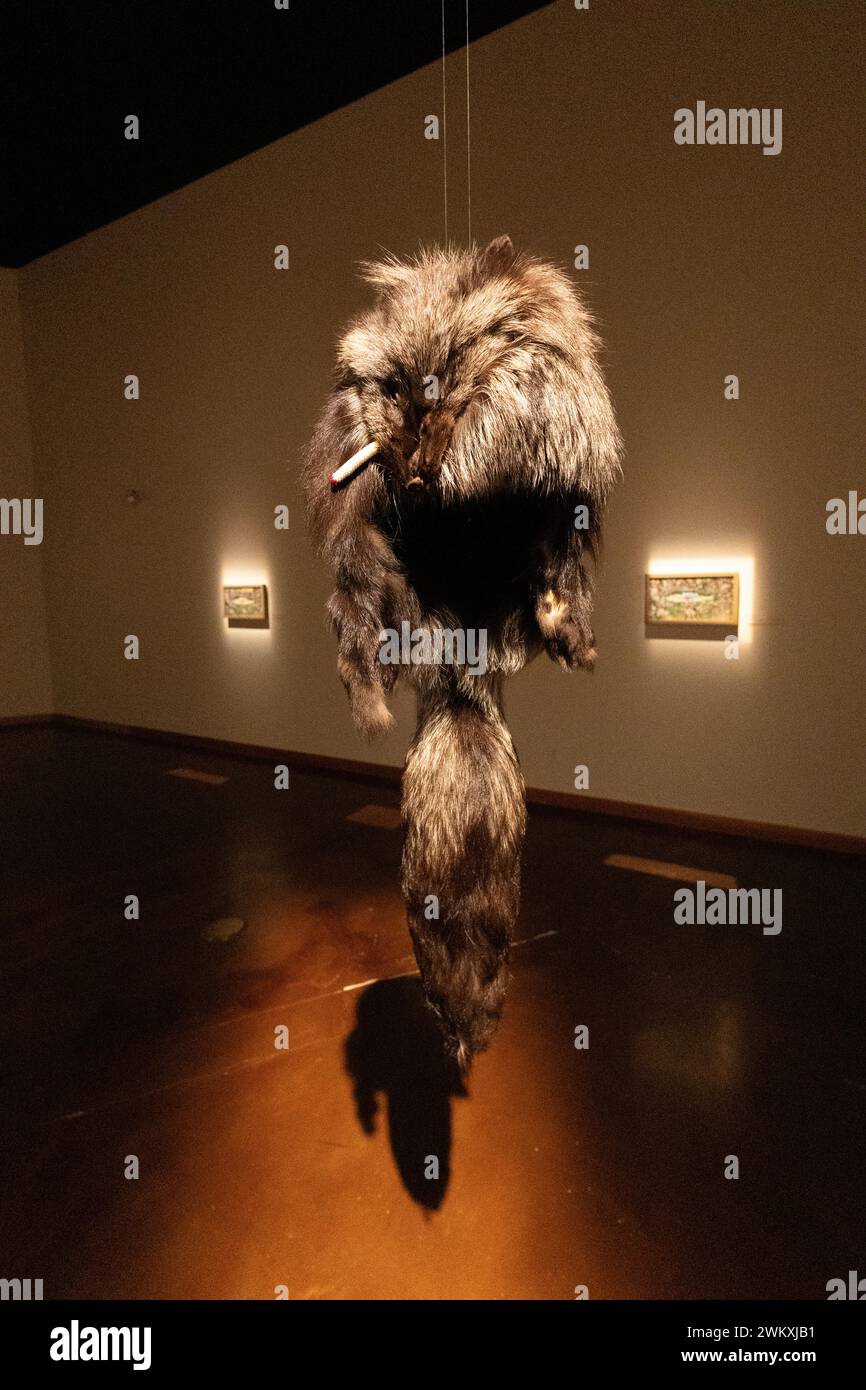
396, 1050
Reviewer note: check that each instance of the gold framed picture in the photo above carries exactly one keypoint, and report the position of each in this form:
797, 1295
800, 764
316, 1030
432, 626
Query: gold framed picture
245, 603
693, 600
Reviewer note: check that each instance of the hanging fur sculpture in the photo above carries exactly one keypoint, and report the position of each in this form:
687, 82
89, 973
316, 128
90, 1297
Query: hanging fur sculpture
483, 447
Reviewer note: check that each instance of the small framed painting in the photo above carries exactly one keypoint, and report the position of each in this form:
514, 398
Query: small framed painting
693, 600
246, 604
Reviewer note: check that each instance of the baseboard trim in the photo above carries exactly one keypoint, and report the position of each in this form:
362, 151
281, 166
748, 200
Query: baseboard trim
14, 721
698, 820
259, 752
573, 804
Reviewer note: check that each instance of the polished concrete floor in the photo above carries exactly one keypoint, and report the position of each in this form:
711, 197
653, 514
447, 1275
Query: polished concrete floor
261, 1167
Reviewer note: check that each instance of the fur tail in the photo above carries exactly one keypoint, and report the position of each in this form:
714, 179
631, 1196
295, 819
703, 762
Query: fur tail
464, 816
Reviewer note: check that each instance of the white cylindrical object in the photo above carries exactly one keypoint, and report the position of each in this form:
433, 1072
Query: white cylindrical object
355, 463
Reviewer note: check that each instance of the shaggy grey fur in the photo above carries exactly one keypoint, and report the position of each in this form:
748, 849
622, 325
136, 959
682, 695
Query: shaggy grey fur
465, 519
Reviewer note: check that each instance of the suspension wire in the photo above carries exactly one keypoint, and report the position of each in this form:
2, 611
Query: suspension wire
444, 126
468, 141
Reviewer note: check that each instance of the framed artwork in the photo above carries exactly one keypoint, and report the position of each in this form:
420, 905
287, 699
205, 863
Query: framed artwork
693, 599
246, 603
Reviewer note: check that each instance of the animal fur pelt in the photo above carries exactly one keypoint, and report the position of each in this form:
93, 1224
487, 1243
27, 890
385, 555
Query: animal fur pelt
476, 374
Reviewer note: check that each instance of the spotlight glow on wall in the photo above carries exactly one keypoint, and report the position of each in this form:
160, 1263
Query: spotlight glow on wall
714, 564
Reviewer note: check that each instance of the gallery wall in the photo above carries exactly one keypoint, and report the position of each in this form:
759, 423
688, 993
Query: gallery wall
703, 261
25, 678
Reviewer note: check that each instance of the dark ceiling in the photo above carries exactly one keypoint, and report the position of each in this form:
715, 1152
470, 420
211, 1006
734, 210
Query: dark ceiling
210, 82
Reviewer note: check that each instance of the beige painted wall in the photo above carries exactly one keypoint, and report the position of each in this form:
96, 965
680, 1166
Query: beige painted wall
704, 261
25, 678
